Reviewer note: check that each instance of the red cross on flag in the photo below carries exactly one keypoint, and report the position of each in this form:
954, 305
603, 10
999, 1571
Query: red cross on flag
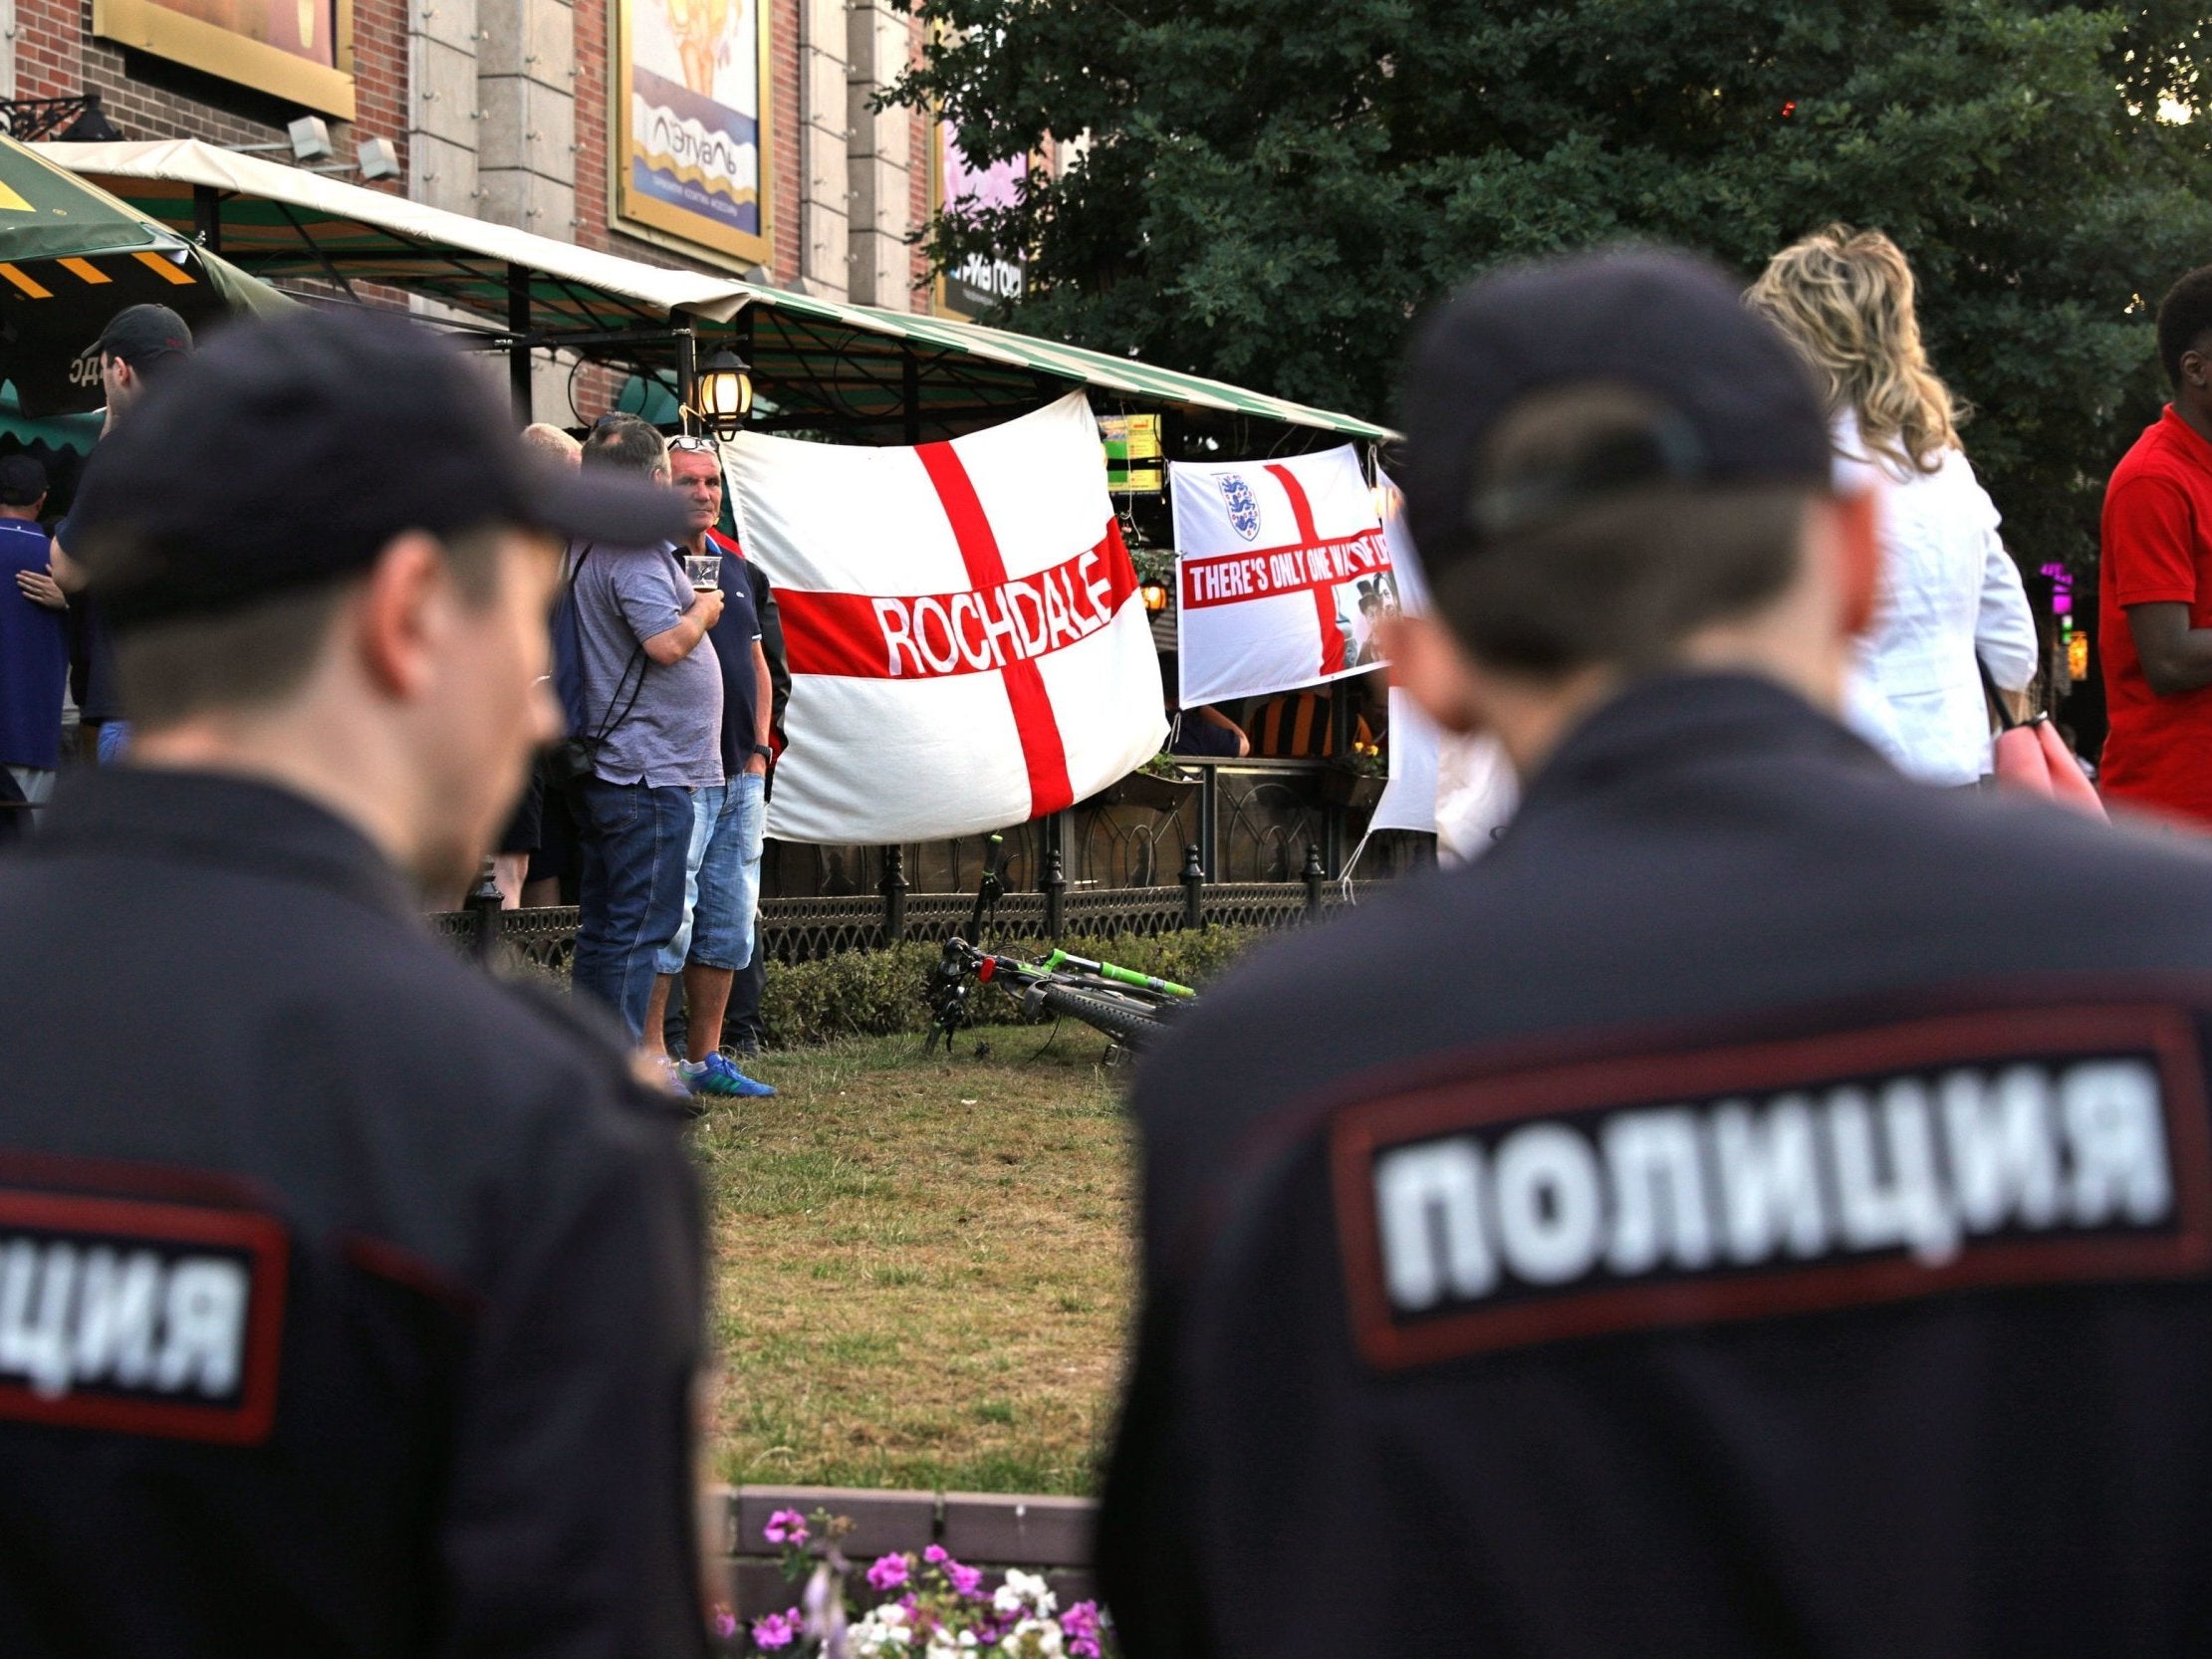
966, 643
1282, 574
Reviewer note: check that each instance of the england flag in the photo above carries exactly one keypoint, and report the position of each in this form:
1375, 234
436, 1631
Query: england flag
966, 642
1282, 574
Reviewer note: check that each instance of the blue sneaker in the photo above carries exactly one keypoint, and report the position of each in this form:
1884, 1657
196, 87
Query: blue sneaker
716, 1075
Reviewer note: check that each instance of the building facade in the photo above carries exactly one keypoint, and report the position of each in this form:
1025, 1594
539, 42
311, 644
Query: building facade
729, 135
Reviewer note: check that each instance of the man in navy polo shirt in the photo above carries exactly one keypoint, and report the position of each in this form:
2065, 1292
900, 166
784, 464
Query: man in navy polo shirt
722, 889
34, 639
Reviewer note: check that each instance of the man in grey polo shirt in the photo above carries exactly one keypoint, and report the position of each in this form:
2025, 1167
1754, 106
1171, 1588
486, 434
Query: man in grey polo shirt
653, 704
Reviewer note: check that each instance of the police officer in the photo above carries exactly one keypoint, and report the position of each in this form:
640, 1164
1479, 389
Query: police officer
1763, 1206
348, 1301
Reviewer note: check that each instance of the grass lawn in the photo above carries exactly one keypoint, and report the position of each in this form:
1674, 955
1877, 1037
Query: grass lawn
923, 1266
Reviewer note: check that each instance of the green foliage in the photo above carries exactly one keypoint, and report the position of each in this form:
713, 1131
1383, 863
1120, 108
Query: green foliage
879, 993
1270, 193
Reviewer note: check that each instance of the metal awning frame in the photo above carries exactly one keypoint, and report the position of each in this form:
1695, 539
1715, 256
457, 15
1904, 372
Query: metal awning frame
855, 373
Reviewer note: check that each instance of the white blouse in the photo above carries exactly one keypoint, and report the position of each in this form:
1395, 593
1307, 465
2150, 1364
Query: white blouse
1948, 590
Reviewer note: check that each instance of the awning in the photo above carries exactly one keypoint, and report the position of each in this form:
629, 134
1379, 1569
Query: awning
75, 433
865, 371
47, 212
86, 256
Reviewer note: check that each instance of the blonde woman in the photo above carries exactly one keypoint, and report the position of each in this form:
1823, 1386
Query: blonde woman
1950, 591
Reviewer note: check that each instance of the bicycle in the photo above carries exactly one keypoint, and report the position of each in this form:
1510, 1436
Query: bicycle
1129, 1008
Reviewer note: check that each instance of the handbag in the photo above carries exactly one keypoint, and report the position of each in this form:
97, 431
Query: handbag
2030, 755
576, 757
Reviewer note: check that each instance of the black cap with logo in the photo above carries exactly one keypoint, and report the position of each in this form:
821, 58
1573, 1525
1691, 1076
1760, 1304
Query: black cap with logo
290, 452
1733, 402
138, 333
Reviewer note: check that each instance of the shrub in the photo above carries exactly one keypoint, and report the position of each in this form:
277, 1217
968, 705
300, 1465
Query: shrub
879, 993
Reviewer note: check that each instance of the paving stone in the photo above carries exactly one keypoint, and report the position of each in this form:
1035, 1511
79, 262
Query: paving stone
882, 1522
1017, 1532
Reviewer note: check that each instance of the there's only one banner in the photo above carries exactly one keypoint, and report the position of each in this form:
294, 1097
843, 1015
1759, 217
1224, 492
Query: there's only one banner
967, 647
1282, 571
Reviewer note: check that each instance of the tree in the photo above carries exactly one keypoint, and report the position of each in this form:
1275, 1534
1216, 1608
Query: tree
1270, 192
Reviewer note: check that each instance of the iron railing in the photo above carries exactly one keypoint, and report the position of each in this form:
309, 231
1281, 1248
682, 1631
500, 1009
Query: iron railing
26, 119
1251, 821
807, 929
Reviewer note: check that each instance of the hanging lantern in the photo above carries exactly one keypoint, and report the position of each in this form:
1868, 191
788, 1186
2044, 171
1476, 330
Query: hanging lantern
725, 393
1154, 595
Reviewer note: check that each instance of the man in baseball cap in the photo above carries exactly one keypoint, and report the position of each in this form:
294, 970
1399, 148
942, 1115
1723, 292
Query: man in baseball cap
1719, 1220
371, 1288
139, 345
136, 334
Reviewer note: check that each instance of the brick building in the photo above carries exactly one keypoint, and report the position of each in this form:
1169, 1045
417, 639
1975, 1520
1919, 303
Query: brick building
505, 111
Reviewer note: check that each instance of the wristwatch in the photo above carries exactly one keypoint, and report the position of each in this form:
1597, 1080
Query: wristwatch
764, 752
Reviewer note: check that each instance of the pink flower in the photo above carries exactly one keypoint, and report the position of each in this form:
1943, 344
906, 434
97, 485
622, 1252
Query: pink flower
888, 1573
725, 1622
965, 1580
935, 1554
778, 1629
1080, 1624
787, 1527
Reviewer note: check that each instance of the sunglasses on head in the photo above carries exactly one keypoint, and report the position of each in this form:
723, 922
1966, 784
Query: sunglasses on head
696, 446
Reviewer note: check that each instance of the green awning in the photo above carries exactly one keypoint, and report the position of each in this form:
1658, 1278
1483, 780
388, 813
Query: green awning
846, 365
48, 212
77, 432
88, 257
858, 370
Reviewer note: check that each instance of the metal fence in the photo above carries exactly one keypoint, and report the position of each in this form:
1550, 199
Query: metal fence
806, 929
1251, 821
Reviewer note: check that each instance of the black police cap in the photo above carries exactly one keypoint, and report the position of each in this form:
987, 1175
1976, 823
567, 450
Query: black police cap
1733, 403
289, 452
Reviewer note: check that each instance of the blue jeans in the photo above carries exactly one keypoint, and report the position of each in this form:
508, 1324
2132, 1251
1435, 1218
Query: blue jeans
637, 840
115, 738
723, 888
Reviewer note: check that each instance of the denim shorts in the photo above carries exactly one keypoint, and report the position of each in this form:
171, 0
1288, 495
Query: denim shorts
722, 889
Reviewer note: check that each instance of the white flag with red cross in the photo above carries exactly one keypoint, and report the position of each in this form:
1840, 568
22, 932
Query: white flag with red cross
1282, 571
966, 642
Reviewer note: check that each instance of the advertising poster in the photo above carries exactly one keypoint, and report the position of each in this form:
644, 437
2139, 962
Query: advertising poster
299, 50
689, 114
982, 281
1282, 574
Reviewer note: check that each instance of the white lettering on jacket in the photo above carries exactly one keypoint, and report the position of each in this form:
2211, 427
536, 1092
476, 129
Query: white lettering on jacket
1920, 1165
72, 1315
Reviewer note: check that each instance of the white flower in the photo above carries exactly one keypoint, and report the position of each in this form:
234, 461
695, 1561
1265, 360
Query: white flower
883, 1631
1035, 1638
1024, 1593
946, 1644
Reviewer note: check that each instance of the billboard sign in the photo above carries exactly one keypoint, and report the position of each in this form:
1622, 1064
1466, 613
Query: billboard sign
982, 281
690, 123
301, 51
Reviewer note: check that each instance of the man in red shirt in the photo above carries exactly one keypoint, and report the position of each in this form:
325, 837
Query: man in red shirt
2157, 573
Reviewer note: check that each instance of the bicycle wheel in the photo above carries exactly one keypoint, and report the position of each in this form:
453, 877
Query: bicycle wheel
1128, 1023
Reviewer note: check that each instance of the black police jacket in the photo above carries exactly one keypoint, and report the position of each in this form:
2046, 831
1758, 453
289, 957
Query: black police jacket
1761, 1208
348, 1301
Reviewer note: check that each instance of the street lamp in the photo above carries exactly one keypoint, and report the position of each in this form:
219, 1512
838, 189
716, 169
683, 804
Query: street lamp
1154, 595
725, 393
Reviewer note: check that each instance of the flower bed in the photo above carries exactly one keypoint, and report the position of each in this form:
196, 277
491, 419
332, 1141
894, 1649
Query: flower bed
908, 1605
